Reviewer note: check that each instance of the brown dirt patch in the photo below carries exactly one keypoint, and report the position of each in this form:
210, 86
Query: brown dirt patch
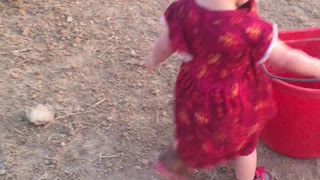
86, 57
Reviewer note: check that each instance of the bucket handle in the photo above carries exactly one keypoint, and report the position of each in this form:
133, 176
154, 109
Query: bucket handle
307, 80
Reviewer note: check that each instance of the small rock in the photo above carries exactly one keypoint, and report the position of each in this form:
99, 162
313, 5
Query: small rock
66, 171
145, 161
44, 176
69, 19
78, 40
26, 32
47, 162
109, 165
15, 75
133, 53
138, 167
41, 114
155, 92
2, 172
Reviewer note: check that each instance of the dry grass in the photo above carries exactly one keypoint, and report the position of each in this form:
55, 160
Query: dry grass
85, 58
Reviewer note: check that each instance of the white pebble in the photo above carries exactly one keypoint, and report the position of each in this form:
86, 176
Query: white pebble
40, 115
69, 19
3, 172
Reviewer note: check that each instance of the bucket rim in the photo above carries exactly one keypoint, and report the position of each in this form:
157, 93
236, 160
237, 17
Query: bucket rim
300, 34
296, 90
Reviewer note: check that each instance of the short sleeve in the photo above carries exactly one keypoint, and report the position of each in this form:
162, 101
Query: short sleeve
173, 19
255, 6
266, 36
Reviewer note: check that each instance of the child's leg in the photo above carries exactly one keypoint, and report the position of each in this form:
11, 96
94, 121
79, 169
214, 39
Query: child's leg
170, 165
245, 166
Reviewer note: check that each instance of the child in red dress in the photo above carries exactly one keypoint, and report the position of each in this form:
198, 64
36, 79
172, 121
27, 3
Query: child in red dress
222, 96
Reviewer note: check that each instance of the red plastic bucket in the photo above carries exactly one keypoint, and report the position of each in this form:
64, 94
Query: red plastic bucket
295, 130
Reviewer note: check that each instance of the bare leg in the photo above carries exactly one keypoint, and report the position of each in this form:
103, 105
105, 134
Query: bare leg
245, 166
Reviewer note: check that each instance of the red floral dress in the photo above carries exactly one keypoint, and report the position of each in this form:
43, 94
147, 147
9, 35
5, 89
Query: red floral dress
222, 96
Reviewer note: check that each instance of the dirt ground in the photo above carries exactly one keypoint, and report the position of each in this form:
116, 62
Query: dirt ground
85, 58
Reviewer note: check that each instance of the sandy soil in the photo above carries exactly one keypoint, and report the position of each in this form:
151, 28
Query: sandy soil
85, 58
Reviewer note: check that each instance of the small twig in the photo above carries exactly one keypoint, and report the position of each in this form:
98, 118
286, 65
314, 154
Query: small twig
18, 131
146, 125
71, 114
98, 103
55, 5
107, 156
109, 126
4, 53
137, 108
213, 176
94, 129
82, 112
158, 111
111, 156
35, 132
21, 50
47, 157
109, 23
104, 52
24, 61
100, 158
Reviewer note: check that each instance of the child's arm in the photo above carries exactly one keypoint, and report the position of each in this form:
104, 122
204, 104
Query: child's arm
294, 60
160, 52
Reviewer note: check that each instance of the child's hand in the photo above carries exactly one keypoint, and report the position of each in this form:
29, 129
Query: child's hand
150, 62
160, 52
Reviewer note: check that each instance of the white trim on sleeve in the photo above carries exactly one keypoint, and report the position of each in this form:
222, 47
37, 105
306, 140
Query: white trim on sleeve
271, 46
